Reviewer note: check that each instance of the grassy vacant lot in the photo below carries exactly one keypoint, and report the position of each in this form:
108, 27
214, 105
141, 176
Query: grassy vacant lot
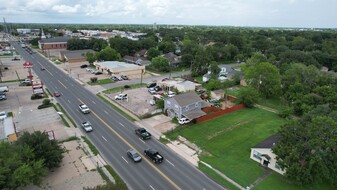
227, 140
276, 182
102, 81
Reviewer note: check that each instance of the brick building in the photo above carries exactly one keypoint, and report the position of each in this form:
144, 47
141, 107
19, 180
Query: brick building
54, 43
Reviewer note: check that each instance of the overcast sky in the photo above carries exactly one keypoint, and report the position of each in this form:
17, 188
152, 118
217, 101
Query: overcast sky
263, 13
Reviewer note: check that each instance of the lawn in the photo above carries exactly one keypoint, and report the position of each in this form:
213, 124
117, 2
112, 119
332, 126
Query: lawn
118, 89
227, 140
278, 183
102, 81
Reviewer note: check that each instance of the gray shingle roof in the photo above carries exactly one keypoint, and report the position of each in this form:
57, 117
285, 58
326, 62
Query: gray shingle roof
62, 39
76, 54
269, 142
187, 98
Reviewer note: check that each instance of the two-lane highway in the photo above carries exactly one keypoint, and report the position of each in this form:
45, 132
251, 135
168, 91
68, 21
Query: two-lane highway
114, 134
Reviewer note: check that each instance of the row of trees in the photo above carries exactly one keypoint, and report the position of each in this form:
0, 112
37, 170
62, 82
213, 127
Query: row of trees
28, 160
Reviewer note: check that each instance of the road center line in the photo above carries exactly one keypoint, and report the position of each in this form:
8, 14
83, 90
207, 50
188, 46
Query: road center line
105, 139
170, 162
69, 101
106, 112
121, 124
93, 102
125, 160
141, 140
62, 84
152, 187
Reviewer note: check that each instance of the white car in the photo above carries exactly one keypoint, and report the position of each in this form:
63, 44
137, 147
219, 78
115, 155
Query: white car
121, 97
3, 115
171, 94
87, 126
84, 108
183, 120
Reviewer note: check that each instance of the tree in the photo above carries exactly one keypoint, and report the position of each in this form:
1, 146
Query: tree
76, 44
160, 64
108, 54
167, 46
213, 84
43, 148
307, 150
248, 96
264, 77
34, 41
186, 60
152, 52
201, 63
215, 69
91, 57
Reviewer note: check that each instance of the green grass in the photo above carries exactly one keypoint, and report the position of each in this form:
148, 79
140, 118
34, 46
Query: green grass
118, 89
71, 138
229, 138
104, 177
198, 79
279, 183
234, 92
274, 103
9, 81
67, 115
216, 177
119, 182
91, 146
116, 108
102, 81
63, 119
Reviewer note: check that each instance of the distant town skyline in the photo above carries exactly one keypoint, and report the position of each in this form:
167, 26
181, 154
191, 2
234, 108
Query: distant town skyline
254, 13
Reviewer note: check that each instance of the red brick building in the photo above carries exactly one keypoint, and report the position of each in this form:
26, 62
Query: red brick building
54, 43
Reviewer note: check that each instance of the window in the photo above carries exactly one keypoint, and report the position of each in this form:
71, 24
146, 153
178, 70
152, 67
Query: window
257, 155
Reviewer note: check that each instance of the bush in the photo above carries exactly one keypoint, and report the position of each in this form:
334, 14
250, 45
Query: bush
44, 106
126, 86
93, 79
46, 102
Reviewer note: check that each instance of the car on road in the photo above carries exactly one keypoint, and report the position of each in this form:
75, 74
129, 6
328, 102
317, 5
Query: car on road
121, 97
84, 108
183, 120
154, 155
83, 66
142, 133
134, 155
57, 94
3, 97
87, 126
42, 68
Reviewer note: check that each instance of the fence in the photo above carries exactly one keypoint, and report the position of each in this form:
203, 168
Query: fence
217, 112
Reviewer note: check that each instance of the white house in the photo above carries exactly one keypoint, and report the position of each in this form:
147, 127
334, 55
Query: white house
263, 154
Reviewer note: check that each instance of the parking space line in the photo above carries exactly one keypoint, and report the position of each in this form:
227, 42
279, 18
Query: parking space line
105, 139
122, 125
169, 162
152, 187
93, 102
106, 112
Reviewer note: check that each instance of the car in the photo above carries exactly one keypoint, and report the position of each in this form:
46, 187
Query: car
134, 155
83, 66
183, 120
143, 133
154, 155
170, 94
16, 59
57, 94
152, 102
121, 97
157, 88
124, 77
151, 85
200, 91
152, 91
89, 69
42, 68
93, 71
3, 97
114, 78
87, 126
3, 115
84, 108
98, 73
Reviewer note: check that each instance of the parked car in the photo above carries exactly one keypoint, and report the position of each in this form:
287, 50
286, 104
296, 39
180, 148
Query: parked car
157, 88
93, 71
89, 69
151, 85
152, 91
121, 97
42, 68
3, 115
152, 102
3, 97
83, 66
124, 77
16, 59
114, 78
171, 94
134, 155
183, 120
200, 91
98, 73
57, 94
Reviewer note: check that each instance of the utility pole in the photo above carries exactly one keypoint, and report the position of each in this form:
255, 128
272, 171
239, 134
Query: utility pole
141, 77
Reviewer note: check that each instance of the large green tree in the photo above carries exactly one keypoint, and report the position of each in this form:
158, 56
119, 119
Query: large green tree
167, 46
160, 64
307, 149
108, 54
201, 63
152, 52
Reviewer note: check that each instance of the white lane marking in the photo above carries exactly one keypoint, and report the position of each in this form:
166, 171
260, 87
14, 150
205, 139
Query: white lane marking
125, 160
105, 139
69, 101
106, 112
169, 162
93, 102
121, 124
141, 140
152, 187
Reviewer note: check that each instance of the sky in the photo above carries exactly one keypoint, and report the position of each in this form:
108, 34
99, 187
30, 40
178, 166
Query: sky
259, 13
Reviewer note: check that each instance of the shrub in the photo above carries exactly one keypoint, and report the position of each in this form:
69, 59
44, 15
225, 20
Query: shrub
44, 106
126, 86
93, 79
46, 102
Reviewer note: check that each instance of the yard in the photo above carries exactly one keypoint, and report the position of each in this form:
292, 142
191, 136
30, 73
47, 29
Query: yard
226, 141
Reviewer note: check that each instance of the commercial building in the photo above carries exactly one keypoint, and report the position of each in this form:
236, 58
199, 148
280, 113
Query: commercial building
120, 68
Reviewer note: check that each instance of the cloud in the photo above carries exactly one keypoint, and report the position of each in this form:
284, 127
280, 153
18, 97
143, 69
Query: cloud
66, 8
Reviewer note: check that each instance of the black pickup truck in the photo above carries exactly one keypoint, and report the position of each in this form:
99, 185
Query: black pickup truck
154, 155
143, 133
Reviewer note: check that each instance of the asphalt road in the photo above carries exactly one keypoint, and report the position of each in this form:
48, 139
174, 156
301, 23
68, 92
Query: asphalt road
114, 134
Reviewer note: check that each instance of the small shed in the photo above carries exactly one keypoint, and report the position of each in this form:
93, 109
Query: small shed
218, 94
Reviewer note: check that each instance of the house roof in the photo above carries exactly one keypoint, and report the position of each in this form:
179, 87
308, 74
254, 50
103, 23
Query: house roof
194, 114
219, 91
76, 54
141, 52
116, 65
269, 142
172, 58
61, 39
187, 98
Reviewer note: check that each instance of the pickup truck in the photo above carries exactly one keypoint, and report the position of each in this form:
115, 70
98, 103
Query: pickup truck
143, 133
154, 155
84, 108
